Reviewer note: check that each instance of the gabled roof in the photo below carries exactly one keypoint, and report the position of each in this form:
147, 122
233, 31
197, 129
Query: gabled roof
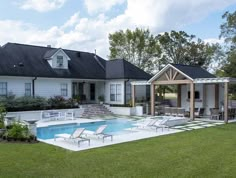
189, 71
122, 69
193, 71
82, 65
50, 53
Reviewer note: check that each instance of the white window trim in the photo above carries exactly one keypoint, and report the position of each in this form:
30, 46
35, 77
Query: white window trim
28, 89
116, 99
4, 88
64, 89
61, 63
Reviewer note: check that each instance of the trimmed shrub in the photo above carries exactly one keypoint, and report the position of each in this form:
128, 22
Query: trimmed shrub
26, 103
17, 132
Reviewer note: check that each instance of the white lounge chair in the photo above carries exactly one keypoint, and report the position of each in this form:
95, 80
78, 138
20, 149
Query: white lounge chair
161, 124
99, 133
75, 136
145, 124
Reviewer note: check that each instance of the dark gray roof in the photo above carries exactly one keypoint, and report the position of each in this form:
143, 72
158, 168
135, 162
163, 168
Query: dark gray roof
122, 69
50, 53
193, 71
27, 60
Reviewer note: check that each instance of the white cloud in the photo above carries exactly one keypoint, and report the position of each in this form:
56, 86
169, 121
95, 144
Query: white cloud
95, 6
41, 5
169, 14
72, 21
87, 34
214, 40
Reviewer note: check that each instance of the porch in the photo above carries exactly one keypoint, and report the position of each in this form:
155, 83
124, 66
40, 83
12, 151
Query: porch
88, 91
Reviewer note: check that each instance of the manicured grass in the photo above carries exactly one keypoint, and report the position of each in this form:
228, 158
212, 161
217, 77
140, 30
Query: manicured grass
201, 153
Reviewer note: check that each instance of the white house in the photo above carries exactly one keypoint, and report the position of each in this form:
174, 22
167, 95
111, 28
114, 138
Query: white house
27, 70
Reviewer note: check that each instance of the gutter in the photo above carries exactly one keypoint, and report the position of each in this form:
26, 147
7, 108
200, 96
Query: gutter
33, 86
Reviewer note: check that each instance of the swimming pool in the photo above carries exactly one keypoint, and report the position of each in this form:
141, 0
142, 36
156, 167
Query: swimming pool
114, 126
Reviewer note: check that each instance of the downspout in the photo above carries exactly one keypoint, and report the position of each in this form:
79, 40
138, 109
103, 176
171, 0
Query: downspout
33, 86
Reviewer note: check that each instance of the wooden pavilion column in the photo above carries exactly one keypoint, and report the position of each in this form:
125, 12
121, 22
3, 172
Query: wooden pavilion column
179, 95
216, 95
226, 99
152, 99
133, 95
192, 101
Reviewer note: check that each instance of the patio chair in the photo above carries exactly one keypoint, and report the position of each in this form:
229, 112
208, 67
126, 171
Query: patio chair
99, 133
161, 124
215, 114
167, 111
51, 115
146, 123
232, 112
174, 111
181, 112
75, 136
199, 112
69, 115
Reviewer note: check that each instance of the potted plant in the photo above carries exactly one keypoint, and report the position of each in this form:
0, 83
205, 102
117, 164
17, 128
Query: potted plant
101, 99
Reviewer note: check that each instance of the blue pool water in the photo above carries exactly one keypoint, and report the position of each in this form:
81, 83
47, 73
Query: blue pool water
113, 126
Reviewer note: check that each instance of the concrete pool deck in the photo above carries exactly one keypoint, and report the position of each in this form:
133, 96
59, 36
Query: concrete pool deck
127, 136
121, 138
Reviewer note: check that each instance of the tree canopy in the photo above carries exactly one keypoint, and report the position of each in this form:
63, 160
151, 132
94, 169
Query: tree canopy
181, 48
138, 47
151, 53
228, 32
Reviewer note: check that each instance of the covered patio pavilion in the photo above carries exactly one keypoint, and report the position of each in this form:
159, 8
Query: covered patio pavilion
196, 88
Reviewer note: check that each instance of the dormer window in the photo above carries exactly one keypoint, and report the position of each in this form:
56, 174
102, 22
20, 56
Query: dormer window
59, 61
57, 58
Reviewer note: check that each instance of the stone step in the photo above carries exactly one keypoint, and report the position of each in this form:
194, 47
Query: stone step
95, 109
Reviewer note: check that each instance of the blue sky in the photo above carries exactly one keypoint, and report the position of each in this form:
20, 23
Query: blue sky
85, 24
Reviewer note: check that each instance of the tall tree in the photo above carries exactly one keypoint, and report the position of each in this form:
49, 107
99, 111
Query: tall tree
181, 48
228, 28
138, 47
228, 32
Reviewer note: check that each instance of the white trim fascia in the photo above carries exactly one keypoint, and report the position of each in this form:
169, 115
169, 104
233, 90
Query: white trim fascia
140, 83
164, 69
214, 80
73, 79
158, 74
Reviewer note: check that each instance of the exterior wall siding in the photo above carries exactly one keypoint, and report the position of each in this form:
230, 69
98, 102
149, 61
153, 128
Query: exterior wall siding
185, 102
107, 91
209, 100
15, 85
51, 87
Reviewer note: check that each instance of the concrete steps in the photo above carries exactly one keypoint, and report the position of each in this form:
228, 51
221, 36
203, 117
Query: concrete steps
91, 110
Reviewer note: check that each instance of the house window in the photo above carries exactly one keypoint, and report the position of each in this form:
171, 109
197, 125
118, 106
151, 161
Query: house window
3, 88
27, 89
59, 61
64, 89
115, 92
196, 94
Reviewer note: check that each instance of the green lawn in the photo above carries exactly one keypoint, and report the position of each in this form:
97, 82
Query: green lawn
201, 153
